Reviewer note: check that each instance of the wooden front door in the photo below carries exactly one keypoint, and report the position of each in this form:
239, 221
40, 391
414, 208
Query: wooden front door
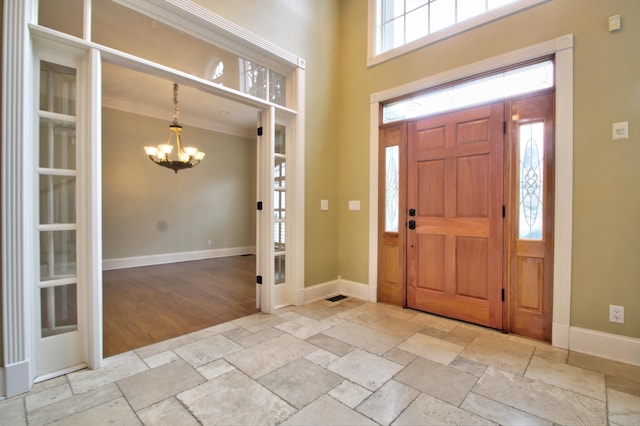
529, 221
455, 214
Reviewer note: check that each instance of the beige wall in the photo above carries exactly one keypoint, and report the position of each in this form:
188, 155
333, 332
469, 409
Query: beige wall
149, 210
309, 29
606, 232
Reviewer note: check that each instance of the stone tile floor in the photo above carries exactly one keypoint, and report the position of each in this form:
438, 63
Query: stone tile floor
346, 363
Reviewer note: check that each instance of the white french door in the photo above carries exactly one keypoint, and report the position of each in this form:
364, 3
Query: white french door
58, 339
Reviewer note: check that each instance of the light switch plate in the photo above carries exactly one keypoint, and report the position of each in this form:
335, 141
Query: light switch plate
324, 204
614, 23
620, 130
354, 204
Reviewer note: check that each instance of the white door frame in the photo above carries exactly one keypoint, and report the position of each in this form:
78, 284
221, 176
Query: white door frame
18, 235
562, 48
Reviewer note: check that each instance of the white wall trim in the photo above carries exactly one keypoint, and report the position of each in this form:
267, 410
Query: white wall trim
160, 259
338, 286
562, 48
605, 345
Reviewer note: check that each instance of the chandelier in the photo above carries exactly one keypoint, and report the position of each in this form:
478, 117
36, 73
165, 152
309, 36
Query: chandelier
186, 158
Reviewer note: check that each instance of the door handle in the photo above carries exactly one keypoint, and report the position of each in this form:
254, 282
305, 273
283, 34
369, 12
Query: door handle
412, 212
412, 224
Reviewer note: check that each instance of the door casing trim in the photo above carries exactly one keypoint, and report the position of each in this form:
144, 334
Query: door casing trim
562, 48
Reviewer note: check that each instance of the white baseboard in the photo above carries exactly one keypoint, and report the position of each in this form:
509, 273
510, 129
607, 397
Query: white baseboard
560, 335
17, 379
605, 345
159, 259
335, 287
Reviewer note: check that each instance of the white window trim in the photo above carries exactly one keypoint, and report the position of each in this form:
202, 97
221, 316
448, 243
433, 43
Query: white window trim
562, 48
374, 58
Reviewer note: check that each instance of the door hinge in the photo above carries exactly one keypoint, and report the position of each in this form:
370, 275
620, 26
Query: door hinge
504, 127
259, 279
503, 211
260, 131
259, 205
503, 294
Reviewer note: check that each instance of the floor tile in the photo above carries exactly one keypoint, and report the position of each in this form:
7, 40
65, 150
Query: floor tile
251, 339
500, 413
159, 383
431, 348
73, 405
258, 322
235, 399
206, 350
365, 338
300, 382
623, 385
113, 369
396, 327
327, 411
498, 351
303, 327
116, 412
49, 396
13, 413
388, 402
435, 379
468, 366
549, 402
579, 380
461, 336
268, 356
321, 357
427, 410
606, 366
349, 393
366, 314
399, 356
435, 322
215, 369
367, 370
624, 409
160, 359
330, 344
169, 412
213, 331
166, 345
552, 353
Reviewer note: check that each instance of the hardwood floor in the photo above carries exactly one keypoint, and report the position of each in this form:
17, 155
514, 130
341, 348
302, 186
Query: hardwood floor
153, 303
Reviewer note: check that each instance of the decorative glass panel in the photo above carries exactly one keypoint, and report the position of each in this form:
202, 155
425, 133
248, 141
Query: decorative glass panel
58, 310
57, 144
277, 88
253, 79
57, 254
57, 88
57, 199
531, 148
279, 269
503, 85
392, 188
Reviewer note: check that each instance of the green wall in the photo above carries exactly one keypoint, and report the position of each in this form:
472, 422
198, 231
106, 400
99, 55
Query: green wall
606, 200
149, 210
309, 29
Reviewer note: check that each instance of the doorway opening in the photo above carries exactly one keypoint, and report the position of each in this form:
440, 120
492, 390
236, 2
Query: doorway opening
452, 179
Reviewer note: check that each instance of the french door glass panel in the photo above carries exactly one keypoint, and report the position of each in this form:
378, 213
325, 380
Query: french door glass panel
57, 185
279, 205
392, 188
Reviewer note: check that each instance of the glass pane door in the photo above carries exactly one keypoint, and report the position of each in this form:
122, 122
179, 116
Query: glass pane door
57, 284
279, 205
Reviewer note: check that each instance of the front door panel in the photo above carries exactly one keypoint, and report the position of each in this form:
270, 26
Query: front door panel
455, 183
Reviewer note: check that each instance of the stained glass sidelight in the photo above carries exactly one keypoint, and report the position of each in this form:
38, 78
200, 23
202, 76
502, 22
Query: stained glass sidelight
531, 147
392, 188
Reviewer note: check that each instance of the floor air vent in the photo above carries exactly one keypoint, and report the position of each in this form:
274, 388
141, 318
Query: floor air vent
336, 298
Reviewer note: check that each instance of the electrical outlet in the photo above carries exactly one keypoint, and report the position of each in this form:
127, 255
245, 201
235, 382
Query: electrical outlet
616, 314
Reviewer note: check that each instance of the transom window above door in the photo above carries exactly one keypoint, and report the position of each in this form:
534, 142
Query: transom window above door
399, 26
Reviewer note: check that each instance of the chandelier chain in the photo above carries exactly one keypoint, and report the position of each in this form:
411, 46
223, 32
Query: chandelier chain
176, 111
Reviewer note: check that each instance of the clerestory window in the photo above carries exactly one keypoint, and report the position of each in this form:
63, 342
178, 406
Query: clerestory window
399, 26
